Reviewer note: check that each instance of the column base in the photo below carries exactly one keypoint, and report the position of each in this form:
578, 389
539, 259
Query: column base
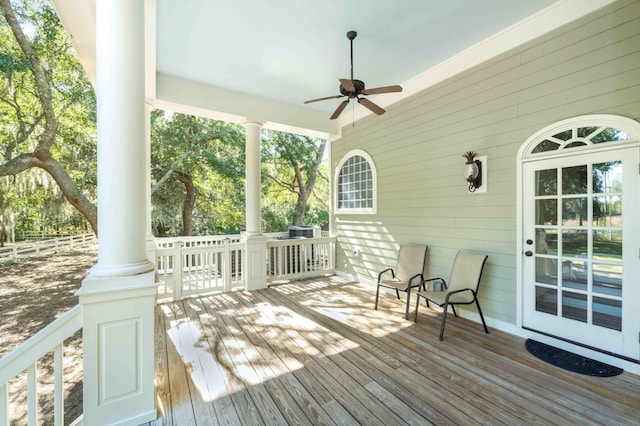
113, 271
118, 349
255, 264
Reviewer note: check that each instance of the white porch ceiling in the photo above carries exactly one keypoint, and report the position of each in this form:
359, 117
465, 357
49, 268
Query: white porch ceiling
262, 59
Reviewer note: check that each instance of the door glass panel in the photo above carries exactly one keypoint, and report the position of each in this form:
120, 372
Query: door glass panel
607, 211
574, 274
574, 242
565, 136
547, 241
546, 271
607, 279
546, 212
607, 313
547, 182
584, 132
574, 212
574, 306
574, 180
547, 300
607, 245
545, 145
607, 177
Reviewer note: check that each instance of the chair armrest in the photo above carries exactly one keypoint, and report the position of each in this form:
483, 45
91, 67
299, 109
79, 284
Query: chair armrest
393, 274
446, 299
418, 284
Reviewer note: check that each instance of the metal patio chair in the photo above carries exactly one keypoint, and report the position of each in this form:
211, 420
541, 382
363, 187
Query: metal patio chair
407, 274
462, 288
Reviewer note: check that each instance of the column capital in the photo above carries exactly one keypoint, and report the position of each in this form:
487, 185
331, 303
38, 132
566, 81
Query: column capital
252, 122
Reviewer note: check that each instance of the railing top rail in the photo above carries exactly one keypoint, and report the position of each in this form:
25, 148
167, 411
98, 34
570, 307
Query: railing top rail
39, 344
299, 241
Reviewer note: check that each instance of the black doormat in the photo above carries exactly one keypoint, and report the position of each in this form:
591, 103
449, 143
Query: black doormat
570, 361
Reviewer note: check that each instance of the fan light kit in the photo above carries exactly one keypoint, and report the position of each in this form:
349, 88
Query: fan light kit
355, 89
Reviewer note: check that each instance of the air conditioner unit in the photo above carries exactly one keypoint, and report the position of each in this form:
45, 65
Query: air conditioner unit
309, 231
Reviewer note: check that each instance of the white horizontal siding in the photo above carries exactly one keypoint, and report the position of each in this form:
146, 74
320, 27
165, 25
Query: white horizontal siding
590, 66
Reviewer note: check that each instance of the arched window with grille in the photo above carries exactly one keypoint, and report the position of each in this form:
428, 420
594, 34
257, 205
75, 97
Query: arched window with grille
355, 184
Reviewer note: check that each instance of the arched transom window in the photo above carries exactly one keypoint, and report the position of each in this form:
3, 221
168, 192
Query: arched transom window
580, 132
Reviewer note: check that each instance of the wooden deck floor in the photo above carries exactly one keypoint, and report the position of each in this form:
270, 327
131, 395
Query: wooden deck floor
315, 352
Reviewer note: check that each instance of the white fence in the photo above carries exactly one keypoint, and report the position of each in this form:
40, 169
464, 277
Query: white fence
194, 265
25, 358
42, 247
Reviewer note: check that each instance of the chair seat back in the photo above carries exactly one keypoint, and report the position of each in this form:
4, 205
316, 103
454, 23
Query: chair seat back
467, 270
411, 259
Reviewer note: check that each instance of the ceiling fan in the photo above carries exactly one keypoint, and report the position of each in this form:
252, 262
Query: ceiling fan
355, 89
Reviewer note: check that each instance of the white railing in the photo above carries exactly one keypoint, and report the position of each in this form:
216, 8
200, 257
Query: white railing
300, 258
195, 265
25, 358
42, 247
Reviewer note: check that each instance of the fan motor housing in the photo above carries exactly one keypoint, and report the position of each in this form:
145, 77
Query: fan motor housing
358, 84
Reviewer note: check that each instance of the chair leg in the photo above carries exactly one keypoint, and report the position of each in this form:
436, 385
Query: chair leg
377, 294
406, 314
455, 314
484, 324
397, 294
444, 320
415, 314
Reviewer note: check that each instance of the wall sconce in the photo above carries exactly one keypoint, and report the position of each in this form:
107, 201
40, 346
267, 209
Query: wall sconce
475, 171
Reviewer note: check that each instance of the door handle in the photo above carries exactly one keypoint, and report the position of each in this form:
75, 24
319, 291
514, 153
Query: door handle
528, 253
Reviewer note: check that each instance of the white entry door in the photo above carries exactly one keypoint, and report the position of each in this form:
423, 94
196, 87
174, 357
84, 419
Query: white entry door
581, 260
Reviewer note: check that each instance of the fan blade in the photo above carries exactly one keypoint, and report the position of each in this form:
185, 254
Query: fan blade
386, 89
348, 85
338, 110
324, 99
373, 107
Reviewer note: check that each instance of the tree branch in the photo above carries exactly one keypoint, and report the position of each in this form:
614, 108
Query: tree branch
41, 79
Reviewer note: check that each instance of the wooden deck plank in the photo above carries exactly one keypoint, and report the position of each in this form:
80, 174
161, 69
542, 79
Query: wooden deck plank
320, 354
420, 344
342, 388
161, 366
287, 408
433, 363
570, 394
250, 321
433, 392
188, 339
181, 403
231, 395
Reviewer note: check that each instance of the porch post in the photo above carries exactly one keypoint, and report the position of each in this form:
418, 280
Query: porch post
151, 241
255, 262
118, 295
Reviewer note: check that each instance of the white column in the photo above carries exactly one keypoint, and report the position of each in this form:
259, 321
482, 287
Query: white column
151, 241
255, 266
118, 296
252, 178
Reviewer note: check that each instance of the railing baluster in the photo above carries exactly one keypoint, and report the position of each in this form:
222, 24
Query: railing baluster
177, 271
32, 395
58, 392
226, 269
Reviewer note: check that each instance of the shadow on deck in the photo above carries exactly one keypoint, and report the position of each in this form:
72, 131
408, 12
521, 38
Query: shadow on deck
315, 352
